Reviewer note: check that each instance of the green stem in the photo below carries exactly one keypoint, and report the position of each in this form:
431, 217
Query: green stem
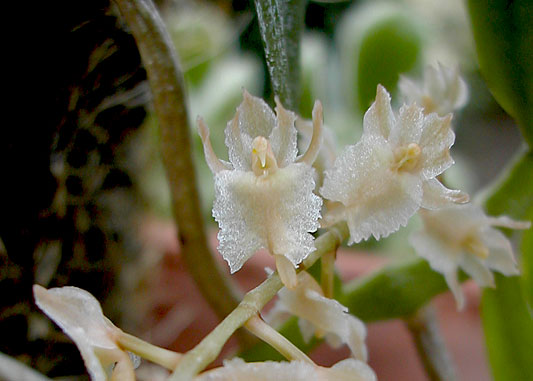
209, 348
327, 273
164, 357
166, 82
430, 344
281, 25
269, 335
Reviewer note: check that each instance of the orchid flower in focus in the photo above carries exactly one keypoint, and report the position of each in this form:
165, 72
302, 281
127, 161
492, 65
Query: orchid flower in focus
264, 195
384, 179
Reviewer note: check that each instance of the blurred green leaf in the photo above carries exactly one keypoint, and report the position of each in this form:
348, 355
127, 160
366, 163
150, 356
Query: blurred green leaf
394, 291
390, 47
503, 32
507, 318
378, 42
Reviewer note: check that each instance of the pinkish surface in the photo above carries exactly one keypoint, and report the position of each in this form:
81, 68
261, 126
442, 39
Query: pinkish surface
178, 317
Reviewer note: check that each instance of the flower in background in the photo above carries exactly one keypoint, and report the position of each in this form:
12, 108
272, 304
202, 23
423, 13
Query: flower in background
238, 370
320, 316
380, 182
442, 90
264, 195
80, 316
463, 237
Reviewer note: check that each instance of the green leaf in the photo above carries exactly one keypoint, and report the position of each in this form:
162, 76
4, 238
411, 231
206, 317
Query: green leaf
378, 42
503, 32
394, 291
507, 318
508, 331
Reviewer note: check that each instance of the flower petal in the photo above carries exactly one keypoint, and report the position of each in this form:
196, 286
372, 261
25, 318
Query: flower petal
80, 316
276, 212
435, 141
437, 196
379, 119
408, 129
253, 118
326, 315
474, 267
283, 136
500, 252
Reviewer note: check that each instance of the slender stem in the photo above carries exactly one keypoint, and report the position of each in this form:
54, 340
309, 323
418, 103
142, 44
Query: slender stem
327, 274
166, 82
281, 24
209, 348
164, 357
258, 327
430, 344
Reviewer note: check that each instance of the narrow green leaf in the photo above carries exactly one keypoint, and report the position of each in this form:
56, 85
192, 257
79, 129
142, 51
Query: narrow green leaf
281, 25
503, 32
394, 291
507, 318
508, 331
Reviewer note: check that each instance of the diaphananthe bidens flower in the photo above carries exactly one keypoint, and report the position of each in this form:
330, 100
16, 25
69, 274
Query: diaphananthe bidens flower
377, 184
264, 195
462, 236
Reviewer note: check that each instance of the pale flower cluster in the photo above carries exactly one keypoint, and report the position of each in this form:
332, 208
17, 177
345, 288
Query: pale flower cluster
265, 198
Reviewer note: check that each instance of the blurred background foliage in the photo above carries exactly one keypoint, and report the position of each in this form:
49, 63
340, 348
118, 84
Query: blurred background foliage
74, 192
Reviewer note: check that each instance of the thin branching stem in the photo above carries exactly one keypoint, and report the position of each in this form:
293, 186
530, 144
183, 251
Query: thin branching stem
430, 345
166, 82
269, 335
209, 348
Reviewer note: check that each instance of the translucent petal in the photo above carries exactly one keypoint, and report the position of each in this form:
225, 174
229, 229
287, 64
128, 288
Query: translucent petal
408, 128
326, 315
436, 139
283, 136
500, 252
379, 119
253, 118
80, 316
437, 196
440, 257
455, 288
276, 212
377, 200
478, 270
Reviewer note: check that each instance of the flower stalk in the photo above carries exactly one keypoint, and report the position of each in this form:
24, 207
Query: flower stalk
208, 349
166, 83
430, 345
265, 332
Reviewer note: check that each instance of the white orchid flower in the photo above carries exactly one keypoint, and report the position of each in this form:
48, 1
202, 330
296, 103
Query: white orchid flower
380, 182
463, 236
442, 90
264, 195
238, 370
80, 316
320, 316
